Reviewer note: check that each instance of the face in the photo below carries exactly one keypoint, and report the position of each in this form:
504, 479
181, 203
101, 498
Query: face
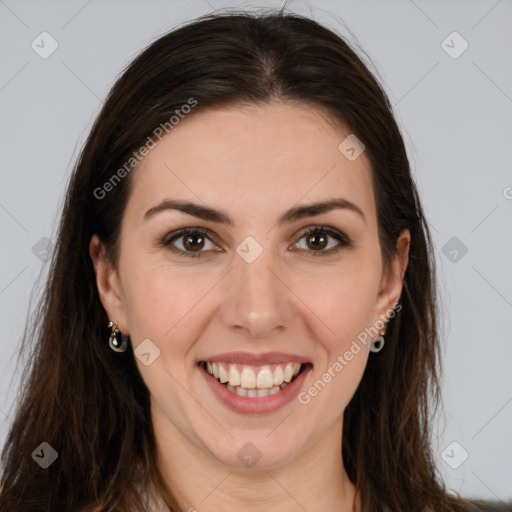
256, 289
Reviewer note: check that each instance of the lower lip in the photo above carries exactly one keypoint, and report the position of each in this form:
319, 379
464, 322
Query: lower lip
257, 405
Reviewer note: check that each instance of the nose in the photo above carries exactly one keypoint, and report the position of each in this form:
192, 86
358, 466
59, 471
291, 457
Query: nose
257, 301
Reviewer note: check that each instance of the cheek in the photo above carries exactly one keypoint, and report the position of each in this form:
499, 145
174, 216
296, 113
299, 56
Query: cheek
344, 302
161, 307
156, 299
331, 387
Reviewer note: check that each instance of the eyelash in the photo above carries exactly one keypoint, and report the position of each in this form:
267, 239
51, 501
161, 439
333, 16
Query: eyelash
345, 242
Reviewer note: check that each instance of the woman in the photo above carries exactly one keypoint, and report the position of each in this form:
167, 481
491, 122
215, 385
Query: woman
241, 309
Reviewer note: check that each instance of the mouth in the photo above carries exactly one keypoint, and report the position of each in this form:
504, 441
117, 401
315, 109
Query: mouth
254, 381
254, 389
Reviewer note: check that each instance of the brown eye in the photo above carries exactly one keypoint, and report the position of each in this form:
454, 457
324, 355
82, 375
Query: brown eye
192, 242
317, 240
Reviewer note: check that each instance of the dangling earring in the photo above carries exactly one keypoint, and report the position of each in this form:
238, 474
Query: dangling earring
113, 341
378, 345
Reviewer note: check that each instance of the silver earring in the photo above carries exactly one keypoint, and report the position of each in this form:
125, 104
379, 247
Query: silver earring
113, 340
378, 345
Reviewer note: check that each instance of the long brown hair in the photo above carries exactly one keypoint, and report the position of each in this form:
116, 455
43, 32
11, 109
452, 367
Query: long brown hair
91, 404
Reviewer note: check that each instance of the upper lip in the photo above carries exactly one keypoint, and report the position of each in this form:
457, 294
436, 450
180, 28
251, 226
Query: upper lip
248, 358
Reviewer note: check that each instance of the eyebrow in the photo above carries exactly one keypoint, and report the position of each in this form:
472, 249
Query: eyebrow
292, 215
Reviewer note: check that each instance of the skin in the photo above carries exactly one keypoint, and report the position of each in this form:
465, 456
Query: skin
254, 163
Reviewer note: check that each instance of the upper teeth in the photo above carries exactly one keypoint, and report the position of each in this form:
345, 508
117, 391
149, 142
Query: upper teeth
240, 375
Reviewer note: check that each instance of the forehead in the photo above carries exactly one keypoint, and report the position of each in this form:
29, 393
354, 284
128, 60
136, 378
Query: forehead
253, 159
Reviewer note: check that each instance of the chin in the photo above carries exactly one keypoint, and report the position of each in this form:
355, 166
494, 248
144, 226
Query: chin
255, 451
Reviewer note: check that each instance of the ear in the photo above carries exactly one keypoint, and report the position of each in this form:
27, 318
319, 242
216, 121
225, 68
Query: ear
391, 283
109, 286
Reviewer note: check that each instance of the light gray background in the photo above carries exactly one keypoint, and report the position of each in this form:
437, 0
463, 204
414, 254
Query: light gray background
456, 116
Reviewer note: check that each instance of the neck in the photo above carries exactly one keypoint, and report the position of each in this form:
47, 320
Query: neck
313, 480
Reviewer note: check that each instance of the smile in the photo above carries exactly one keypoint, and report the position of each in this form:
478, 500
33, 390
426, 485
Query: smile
250, 381
250, 389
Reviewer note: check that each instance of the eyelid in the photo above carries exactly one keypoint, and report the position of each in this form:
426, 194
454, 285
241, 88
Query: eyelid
324, 229
168, 240
343, 240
